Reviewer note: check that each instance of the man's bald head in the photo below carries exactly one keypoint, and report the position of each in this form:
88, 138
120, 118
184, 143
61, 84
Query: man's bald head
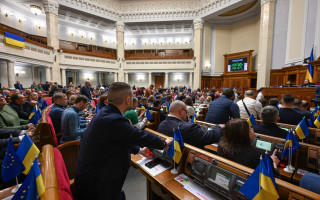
178, 109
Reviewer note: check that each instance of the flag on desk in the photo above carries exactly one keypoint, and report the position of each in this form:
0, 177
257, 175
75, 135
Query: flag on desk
269, 167
97, 108
34, 116
176, 147
278, 105
309, 74
142, 107
302, 129
44, 104
89, 105
311, 121
148, 115
251, 120
27, 152
260, 184
12, 165
32, 187
194, 120
317, 122
14, 40
291, 142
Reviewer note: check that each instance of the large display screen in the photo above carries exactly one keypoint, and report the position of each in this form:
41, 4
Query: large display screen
263, 145
236, 65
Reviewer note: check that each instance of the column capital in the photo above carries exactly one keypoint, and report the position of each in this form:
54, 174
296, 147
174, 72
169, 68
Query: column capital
50, 6
120, 26
198, 24
11, 61
266, 1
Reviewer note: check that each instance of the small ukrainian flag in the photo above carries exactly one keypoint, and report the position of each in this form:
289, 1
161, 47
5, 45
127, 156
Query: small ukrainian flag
194, 120
302, 129
14, 40
317, 122
251, 120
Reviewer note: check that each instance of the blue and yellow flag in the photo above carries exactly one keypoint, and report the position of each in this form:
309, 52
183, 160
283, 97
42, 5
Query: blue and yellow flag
194, 120
32, 187
142, 107
168, 106
89, 107
97, 108
302, 129
260, 184
176, 147
35, 116
251, 120
269, 168
311, 121
317, 121
14, 40
309, 74
11, 165
291, 142
27, 152
148, 114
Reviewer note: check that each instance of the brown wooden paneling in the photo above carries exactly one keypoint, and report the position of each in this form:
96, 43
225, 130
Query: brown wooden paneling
158, 81
159, 54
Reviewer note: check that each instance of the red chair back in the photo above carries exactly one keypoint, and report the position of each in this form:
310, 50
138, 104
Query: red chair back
53, 132
49, 100
63, 178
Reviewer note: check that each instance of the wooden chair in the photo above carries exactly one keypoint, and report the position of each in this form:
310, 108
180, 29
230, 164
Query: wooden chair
70, 153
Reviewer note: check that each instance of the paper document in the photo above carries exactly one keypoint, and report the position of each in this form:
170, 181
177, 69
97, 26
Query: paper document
200, 192
215, 144
8, 198
302, 172
183, 179
154, 170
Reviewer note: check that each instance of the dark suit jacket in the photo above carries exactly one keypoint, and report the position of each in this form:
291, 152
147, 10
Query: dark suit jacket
270, 129
22, 112
85, 90
18, 86
191, 133
289, 116
161, 113
56, 115
105, 152
303, 112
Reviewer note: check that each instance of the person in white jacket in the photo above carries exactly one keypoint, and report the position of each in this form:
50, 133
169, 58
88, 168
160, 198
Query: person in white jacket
260, 94
254, 107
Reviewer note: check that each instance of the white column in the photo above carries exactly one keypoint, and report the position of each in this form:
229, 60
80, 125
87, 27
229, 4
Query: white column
197, 46
317, 35
4, 72
166, 80
63, 77
265, 42
120, 49
127, 77
150, 78
115, 77
100, 78
11, 74
51, 10
48, 74
190, 80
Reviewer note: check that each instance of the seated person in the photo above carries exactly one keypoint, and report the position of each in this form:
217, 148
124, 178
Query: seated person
70, 120
264, 102
132, 115
297, 105
157, 107
103, 101
289, 84
9, 118
168, 102
274, 102
144, 103
17, 103
222, 109
308, 84
139, 100
150, 99
60, 102
200, 100
249, 105
191, 133
287, 114
208, 100
190, 108
41, 102
6, 93
311, 181
236, 145
270, 117
32, 102
305, 105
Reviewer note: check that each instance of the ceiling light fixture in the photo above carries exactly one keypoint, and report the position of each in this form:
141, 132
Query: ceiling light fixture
36, 10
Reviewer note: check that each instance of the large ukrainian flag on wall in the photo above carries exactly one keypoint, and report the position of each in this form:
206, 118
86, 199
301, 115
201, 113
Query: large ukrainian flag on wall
14, 40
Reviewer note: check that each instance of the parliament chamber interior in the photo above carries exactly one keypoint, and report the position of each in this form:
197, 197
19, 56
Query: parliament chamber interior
159, 99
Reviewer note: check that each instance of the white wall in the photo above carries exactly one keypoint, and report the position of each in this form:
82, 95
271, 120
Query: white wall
26, 78
3, 74
139, 79
85, 75
178, 79
109, 78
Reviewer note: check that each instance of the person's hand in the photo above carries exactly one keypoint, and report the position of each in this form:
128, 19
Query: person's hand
89, 117
146, 152
168, 142
30, 125
222, 126
87, 124
30, 132
142, 112
275, 159
33, 103
145, 120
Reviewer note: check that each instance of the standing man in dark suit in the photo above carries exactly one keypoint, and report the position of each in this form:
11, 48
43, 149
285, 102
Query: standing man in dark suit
191, 133
18, 86
106, 147
85, 90
270, 117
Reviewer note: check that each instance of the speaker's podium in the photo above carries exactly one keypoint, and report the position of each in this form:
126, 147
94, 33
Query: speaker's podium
238, 70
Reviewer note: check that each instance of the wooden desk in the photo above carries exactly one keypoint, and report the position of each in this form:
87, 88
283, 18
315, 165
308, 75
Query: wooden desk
303, 93
211, 148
